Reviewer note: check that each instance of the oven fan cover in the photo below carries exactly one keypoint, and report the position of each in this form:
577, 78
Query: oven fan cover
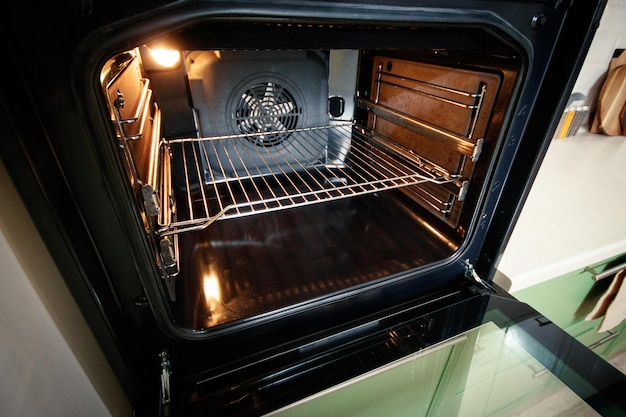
267, 113
257, 99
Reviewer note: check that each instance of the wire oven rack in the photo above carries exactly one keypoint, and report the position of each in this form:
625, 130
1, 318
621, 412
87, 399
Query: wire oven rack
365, 163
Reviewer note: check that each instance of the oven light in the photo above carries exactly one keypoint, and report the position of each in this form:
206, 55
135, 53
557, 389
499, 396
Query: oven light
167, 58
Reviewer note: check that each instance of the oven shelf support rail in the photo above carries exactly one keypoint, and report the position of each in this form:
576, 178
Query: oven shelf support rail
468, 101
451, 140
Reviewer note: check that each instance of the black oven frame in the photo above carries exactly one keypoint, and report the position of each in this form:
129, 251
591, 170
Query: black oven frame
48, 102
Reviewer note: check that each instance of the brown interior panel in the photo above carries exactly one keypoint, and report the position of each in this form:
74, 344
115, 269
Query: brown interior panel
440, 113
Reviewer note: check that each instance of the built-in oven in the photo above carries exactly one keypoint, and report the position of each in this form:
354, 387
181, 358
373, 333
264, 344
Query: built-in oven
256, 202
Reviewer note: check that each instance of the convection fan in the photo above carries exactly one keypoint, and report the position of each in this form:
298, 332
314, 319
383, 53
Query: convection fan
251, 108
267, 112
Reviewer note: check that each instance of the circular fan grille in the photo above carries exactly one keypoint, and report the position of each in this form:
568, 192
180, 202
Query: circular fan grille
266, 111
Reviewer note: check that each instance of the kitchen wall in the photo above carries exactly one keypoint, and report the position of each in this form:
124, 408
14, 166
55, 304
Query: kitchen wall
50, 364
575, 212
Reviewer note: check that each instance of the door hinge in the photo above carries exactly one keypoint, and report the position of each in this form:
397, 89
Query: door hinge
165, 378
472, 275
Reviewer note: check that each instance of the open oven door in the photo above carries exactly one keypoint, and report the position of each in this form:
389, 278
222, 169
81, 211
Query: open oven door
501, 357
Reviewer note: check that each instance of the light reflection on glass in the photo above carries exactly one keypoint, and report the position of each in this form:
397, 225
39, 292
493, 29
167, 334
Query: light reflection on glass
456, 377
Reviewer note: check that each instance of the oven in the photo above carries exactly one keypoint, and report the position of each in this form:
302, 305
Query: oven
254, 202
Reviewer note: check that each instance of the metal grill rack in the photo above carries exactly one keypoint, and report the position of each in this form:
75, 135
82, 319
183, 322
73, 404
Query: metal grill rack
369, 164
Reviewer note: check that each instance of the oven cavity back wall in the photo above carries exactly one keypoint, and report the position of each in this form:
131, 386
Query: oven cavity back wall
263, 95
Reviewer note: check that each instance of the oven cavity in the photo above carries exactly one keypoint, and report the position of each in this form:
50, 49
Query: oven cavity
270, 178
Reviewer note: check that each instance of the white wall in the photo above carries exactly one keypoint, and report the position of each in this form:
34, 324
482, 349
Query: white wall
575, 214
50, 364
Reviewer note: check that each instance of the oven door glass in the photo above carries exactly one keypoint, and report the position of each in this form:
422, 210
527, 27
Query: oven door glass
483, 372
492, 355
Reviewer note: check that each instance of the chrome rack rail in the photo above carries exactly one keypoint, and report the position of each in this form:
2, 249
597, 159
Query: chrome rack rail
597, 276
471, 102
370, 164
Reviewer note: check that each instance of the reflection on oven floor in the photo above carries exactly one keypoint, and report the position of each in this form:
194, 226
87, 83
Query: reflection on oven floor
251, 265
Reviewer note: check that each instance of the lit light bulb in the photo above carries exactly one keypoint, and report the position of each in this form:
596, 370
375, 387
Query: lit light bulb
167, 58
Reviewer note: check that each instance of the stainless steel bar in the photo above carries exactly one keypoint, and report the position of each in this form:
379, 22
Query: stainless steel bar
433, 201
377, 95
264, 177
223, 172
159, 176
410, 157
432, 85
187, 182
314, 137
405, 166
482, 88
246, 135
165, 189
422, 169
146, 93
611, 335
332, 172
198, 169
153, 157
142, 122
132, 165
248, 174
237, 178
425, 94
371, 153
448, 139
597, 276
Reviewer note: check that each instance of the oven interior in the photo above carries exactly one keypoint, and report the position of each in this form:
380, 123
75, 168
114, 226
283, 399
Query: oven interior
270, 177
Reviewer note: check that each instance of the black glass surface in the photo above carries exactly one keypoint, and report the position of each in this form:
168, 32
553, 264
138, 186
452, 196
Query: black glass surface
417, 333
